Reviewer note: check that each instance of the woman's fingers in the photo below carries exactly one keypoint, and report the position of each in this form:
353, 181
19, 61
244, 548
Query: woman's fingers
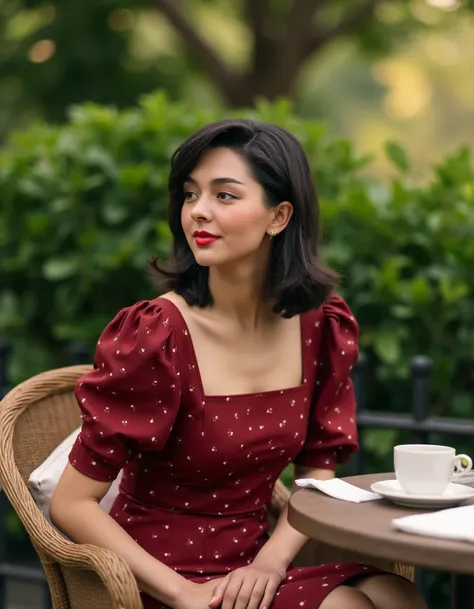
257, 594
270, 591
218, 593
245, 590
245, 593
232, 591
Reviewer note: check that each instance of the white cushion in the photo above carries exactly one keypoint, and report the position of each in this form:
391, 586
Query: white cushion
44, 478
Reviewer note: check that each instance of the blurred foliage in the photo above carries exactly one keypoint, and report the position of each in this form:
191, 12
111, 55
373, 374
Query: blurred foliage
54, 54
84, 207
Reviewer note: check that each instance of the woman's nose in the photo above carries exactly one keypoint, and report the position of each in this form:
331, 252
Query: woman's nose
201, 209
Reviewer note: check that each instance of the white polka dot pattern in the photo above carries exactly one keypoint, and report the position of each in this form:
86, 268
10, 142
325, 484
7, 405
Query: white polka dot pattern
198, 472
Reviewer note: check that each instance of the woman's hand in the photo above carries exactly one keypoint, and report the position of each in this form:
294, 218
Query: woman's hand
252, 587
197, 596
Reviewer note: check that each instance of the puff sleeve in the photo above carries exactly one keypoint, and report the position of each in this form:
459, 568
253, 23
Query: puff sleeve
130, 400
332, 433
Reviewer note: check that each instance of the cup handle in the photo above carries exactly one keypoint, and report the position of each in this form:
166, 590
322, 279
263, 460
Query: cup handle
461, 468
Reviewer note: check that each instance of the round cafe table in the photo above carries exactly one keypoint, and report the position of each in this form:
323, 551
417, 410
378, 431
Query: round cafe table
365, 528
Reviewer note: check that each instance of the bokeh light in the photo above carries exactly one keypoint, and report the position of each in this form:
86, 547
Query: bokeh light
409, 92
42, 51
446, 5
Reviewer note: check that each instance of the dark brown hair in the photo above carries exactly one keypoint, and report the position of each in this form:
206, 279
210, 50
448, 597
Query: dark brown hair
296, 281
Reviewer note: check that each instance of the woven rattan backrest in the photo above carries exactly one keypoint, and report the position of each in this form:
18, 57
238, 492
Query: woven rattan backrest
43, 413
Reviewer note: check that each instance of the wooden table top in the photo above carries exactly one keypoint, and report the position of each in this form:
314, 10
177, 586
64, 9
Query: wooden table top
366, 528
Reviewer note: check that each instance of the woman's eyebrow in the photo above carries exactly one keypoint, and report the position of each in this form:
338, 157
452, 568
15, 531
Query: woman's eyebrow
191, 180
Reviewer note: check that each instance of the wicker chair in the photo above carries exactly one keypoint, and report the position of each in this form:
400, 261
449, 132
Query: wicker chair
35, 417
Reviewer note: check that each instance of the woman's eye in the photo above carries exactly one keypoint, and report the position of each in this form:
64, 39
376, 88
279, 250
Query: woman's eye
225, 196
189, 196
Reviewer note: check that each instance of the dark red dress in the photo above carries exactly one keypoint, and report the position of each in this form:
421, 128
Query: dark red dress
199, 470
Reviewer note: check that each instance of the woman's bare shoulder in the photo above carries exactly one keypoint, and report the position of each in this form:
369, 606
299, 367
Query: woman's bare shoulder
177, 300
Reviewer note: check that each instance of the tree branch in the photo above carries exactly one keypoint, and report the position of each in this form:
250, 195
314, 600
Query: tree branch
290, 49
224, 76
257, 14
279, 44
300, 24
346, 25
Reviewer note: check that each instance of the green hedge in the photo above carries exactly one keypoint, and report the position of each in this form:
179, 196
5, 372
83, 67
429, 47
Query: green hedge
83, 208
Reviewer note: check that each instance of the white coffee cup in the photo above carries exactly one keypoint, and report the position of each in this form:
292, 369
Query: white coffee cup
427, 469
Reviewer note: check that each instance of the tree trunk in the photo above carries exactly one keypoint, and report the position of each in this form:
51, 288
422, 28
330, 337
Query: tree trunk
281, 45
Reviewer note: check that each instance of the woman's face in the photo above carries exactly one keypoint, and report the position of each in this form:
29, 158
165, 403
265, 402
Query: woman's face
224, 216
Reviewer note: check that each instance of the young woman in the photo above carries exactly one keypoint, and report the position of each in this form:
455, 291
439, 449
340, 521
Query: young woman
205, 394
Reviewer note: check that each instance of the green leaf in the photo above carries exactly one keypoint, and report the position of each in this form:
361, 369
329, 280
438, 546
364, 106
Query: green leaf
420, 290
387, 346
113, 212
452, 290
401, 311
60, 268
398, 155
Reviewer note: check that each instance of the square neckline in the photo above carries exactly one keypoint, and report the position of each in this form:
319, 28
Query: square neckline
236, 396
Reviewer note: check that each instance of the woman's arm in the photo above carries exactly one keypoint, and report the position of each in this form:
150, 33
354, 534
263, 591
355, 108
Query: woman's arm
285, 542
75, 510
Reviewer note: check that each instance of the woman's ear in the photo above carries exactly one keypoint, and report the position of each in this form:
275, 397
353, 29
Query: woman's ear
280, 217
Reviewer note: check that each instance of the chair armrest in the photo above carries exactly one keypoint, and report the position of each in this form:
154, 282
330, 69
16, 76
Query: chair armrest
113, 571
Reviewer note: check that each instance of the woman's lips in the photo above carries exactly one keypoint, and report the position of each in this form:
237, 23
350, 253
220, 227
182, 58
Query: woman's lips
204, 241
203, 238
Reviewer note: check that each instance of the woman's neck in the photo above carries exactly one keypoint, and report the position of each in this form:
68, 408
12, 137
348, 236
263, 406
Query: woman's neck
239, 295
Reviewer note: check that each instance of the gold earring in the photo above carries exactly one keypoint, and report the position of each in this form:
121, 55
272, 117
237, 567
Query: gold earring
272, 233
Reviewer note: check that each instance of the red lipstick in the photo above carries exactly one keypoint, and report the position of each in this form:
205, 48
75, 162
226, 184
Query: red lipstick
203, 238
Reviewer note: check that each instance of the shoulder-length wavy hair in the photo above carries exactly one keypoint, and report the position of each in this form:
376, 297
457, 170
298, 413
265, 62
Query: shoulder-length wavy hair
296, 281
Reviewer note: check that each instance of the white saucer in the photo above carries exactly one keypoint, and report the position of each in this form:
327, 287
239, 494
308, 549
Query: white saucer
453, 495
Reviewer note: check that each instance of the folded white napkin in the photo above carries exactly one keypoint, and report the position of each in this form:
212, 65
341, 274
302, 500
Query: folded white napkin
339, 489
455, 523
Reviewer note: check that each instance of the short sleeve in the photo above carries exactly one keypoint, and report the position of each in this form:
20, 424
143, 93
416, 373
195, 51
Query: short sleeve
332, 432
130, 400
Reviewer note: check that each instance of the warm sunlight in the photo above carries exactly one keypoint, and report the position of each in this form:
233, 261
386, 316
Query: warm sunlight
447, 5
408, 90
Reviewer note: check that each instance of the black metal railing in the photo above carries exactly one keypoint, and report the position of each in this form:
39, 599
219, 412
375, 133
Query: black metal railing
419, 422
